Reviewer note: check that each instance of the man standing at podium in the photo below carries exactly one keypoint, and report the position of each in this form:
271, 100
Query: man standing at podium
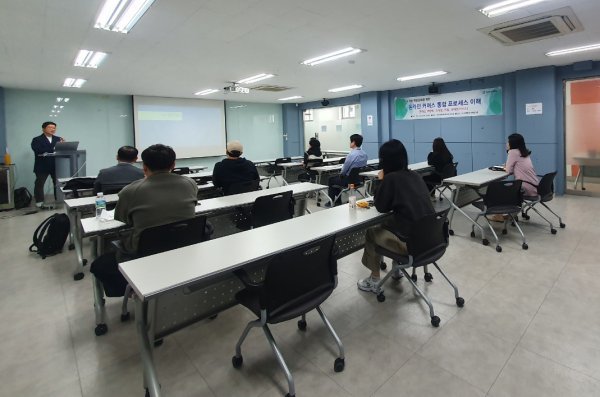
44, 165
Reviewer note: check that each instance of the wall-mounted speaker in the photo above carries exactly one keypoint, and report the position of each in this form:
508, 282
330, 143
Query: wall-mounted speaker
433, 89
325, 102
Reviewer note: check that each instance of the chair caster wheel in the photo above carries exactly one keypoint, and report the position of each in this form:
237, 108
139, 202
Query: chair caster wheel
526, 217
414, 277
504, 231
237, 361
485, 241
460, 302
290, 395
339, 364
562, 225
302, 325
213, 316
383, 265
78, 276
525, 246
428, 277
451, 232
125, 317
498, 248
71, 247
472, 234
84, 262
147, 394
100, 329
435, 321
553, 231
381, 297
159, 342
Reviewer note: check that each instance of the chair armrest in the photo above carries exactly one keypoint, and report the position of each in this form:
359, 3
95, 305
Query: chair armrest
245, 279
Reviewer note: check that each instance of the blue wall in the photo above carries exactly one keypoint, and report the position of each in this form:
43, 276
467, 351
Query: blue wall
476, 142
2, 125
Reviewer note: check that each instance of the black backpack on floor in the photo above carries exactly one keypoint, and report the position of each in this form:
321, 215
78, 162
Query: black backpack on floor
51, 235
22, 198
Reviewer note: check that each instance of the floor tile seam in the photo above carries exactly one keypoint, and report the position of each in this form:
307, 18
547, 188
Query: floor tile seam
191, 360
62, 290
594, 378
393, 374
518, 344
451, 372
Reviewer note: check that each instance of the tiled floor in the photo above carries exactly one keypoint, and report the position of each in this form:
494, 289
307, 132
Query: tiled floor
530, 327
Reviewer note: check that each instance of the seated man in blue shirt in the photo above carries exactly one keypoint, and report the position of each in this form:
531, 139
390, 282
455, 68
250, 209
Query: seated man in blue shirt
356, 159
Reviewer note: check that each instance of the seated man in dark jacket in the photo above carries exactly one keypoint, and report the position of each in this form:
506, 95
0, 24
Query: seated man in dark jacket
234, 168
402, 191
113, 179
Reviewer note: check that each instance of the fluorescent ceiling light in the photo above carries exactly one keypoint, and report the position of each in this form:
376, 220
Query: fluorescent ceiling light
66, 100
121, 15
254, 79
348, 87
206, 92
506, 6
89, 59
332, 56
422, 75
566, 51
237, 107
73, 83
290, 97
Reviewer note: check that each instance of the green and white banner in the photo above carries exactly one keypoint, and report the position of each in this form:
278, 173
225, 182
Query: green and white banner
486, 102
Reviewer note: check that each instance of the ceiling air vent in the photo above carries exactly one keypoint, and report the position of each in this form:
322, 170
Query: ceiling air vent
271, 88
536, 27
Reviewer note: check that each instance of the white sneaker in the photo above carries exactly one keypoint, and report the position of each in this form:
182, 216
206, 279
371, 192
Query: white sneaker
369, 284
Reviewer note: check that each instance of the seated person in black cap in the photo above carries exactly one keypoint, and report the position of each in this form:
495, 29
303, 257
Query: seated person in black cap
234, 168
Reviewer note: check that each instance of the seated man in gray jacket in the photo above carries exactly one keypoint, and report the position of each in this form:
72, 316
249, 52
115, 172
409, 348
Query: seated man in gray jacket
113, 179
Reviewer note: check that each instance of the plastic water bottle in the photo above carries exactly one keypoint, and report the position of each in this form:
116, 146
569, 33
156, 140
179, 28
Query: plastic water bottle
352, 197
100, 204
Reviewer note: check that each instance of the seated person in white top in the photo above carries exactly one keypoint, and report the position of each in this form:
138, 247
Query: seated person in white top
113, 179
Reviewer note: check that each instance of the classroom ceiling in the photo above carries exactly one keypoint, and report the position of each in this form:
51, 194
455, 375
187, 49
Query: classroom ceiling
180, 47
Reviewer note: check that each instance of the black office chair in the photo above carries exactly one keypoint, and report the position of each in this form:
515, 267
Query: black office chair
426, 243
545, 193
501, 198
242, 187
181, 170
268, 209
448, 171
309, 175
157, 239
296, 282
274, 170
355, 179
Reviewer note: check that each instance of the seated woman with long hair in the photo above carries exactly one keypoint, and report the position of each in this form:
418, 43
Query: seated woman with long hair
401, 191
439, 158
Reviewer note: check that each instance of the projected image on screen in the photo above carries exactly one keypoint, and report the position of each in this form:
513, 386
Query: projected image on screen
192, 127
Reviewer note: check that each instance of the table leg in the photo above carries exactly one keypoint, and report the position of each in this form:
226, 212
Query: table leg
77, 241
455, 207
146, 338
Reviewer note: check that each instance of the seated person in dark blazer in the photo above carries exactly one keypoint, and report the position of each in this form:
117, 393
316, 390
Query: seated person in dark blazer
234, 168
438, 158
113, 179
44, 165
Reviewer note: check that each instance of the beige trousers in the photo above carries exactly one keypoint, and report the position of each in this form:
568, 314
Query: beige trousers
378, 236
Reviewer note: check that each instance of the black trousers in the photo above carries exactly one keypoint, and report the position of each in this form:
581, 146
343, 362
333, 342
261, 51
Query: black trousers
339, 181
40, 181
106, 269
432, 180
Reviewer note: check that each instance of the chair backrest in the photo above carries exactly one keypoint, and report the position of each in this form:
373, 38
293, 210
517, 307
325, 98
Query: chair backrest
545, 187
342, 160
313, 163
300, 279
181, 170
272, 208
449, 170
503, 194
428, 238
156, 239
243, 187
354, 176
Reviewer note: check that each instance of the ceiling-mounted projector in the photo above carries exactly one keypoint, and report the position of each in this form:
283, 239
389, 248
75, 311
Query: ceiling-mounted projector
238, 89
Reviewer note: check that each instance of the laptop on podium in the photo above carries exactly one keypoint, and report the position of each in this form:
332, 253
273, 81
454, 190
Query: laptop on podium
70, 146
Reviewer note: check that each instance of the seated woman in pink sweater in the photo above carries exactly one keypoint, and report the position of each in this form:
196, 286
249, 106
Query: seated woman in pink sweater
519, 164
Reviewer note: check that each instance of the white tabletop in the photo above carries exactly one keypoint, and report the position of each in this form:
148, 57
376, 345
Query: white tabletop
587, 161
290, 165
326, 168
154, 274
92, 226
267, 161
414, 167
476, 178
197, 167
200, 174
